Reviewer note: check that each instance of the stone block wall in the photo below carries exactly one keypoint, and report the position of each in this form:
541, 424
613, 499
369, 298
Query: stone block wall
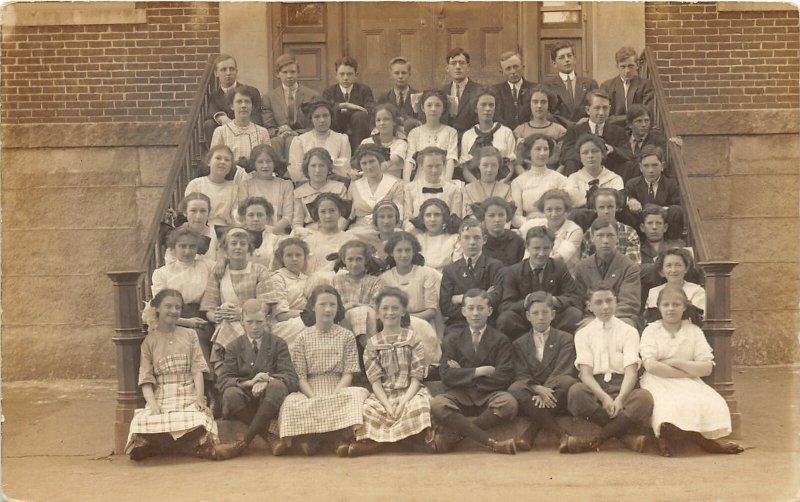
144, 71
77, 200
714, 58
743, 175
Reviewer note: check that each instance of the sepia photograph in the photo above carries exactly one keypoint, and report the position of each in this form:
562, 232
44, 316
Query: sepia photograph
400, 251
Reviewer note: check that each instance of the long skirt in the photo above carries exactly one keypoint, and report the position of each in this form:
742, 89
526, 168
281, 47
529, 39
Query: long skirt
689, 404
379, 427
328, 411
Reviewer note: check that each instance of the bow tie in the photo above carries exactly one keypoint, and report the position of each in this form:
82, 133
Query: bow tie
432, 190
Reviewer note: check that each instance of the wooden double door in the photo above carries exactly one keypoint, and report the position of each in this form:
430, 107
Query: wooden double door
375, 32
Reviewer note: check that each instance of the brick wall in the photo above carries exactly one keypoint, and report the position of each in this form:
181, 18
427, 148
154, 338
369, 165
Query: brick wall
108, 73
712, 60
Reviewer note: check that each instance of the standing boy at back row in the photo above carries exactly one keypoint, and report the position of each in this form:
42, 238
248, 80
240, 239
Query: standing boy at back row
353, 102
400, 93
513, 95
569, 88
461, 90
628, 88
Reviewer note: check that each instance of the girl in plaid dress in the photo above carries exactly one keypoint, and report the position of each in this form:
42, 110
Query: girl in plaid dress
228, 287
399, 406
286, 292
358, 288
175, 418
325, 358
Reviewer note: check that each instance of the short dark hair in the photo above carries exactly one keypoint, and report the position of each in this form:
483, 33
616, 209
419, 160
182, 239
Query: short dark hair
476, 293
539, 297
308, 316
653, 210
561, 44
601, 223
345, 61
625, 53
290, 241
540, 231
261, 201
223, 57
430, 151
400, 60
649, 151
551, 99
636, 110
596, 93
610, 192
250, 92
470, 222
285, 60
554, 193
182, 231
484, 91
601, 286
456, 51
593, 138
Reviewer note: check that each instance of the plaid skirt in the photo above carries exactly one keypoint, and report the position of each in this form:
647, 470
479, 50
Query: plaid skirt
175, 395
379, 427
361, 320
326, 412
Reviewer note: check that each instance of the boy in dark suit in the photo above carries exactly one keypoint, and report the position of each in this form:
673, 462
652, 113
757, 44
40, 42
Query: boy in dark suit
619, 155
400, 94
256, 377
219, 110
628, 88
513, 95
462, 90
640, 122
611, 268
569, 88
282, 114
543, 371
652, 187
474, 270
539, 273
353, 102
476, 368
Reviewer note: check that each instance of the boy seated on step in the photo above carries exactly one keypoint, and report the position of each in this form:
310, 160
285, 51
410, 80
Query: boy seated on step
544, 371
607, 203
353, 102
476, 369
607, 359
474, 270
256, 376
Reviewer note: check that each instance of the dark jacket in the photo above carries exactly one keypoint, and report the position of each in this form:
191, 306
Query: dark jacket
360, 95
456, 280
466, 116
619, 160
509, 248
668, 193
242, 364
494, 350
509, 113
390, 97
640, 92
568, 110
519, 281
558, 358
218, 102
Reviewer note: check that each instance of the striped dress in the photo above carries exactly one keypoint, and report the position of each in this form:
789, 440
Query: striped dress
321, 357
393, 360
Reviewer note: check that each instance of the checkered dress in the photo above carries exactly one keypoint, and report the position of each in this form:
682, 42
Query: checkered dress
168, 361
361, 291
321, 358
394, 362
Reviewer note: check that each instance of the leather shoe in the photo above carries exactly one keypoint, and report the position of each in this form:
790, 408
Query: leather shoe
635, 442
575, 444
309, 447
277, 445
507, 446
229, 450
361, 448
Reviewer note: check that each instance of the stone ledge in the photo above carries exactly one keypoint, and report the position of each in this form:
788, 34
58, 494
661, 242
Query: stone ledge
91, 134
721, 123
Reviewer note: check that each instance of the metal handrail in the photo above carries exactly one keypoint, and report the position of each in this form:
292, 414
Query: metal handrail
675, 156
182, 170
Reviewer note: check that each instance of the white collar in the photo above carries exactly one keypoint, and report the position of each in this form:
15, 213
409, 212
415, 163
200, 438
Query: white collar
594, 126
462, 84
567, 76
226, 89
518, 85
293, 88
349, 90
474, 258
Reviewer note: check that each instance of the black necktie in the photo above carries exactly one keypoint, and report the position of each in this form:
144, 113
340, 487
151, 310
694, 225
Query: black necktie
255, 347
432, 190
470, 266
515, 92
651, 193
401, 101
637, 145
537, 273
346, 97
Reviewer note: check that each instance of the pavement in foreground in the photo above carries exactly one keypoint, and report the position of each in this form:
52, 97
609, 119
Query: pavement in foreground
58, 439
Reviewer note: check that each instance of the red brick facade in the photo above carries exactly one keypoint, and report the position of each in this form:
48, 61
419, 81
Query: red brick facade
108, 73
712, 60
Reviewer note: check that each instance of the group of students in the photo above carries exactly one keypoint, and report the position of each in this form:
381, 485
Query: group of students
520, 290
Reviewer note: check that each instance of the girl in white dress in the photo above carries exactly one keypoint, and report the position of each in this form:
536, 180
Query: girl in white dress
287, 289
219, 185
673, 265
432, 133
407, 272
321, 136
267, 181
437, 232
487, 132
389, 137
256, 214
196, 207
372, 187
528, 187
676, 355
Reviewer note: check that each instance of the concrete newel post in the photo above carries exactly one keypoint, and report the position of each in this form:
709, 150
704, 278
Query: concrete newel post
719, 328
128, 337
